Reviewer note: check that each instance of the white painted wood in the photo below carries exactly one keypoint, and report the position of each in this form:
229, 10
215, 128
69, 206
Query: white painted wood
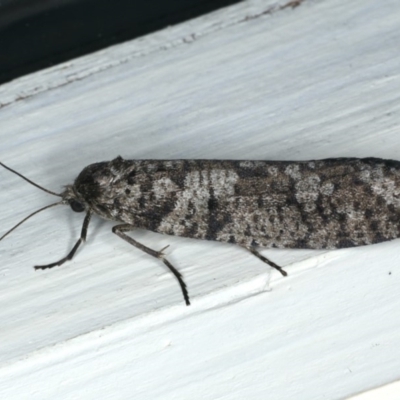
387, 392
253, 81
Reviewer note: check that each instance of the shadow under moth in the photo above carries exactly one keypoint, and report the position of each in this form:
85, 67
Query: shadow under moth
321, 204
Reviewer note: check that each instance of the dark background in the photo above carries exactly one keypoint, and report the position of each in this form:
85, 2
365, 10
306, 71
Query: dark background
36, 34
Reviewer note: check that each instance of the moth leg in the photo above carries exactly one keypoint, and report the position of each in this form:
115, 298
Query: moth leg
265, 259
119, 231
74, 249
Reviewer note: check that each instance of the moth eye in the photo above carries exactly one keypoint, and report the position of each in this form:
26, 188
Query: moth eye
76, 206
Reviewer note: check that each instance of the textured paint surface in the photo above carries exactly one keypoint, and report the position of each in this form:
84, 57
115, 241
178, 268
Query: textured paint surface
318, 81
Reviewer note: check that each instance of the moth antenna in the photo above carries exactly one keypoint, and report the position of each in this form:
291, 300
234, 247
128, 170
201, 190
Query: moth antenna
32, 183
30, 215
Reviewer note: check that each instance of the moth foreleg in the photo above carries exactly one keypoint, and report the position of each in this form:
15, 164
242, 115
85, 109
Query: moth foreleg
74, 249
265, 259
119, 231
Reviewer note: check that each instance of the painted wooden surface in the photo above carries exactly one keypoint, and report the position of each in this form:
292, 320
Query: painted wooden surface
260, 80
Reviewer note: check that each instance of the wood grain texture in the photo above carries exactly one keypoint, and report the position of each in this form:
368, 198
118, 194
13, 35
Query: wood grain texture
317, 81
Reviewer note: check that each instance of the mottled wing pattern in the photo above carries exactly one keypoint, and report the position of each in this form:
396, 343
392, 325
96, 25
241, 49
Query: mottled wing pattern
331, 203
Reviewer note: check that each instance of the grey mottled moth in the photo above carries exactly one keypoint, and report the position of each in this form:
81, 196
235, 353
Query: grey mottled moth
322, 204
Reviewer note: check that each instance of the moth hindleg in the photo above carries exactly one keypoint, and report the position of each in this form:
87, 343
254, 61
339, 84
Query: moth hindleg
119, 231
74, 249
266, 260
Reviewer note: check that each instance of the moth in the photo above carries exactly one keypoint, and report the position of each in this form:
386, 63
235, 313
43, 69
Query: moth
320, 204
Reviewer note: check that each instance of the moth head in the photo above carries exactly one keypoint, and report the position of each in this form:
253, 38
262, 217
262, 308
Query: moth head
71, 198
